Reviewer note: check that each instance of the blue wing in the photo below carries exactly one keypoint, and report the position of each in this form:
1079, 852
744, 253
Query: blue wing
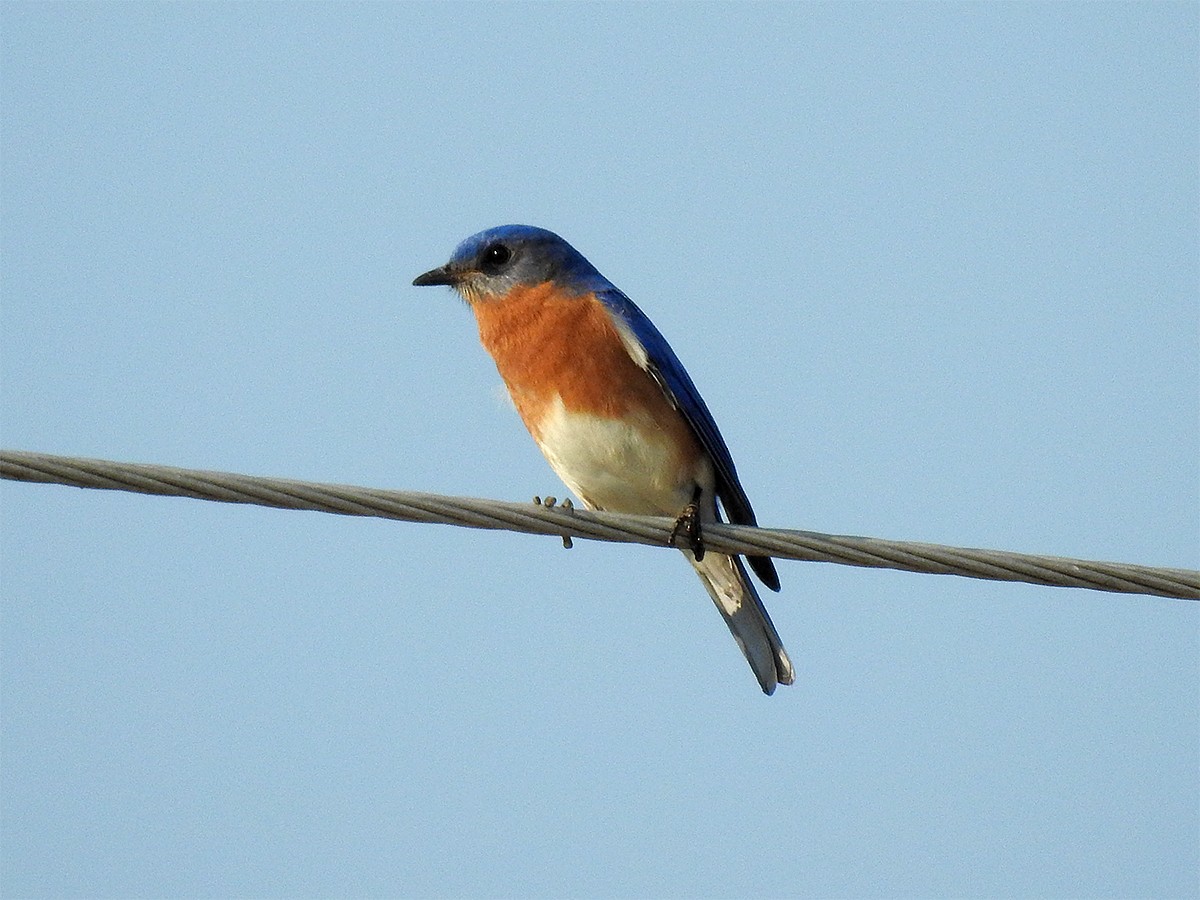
669, 372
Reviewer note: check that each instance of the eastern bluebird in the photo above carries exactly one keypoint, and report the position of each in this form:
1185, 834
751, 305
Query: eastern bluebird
612, 408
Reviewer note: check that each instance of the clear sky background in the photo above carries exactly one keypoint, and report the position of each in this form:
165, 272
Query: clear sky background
935, 270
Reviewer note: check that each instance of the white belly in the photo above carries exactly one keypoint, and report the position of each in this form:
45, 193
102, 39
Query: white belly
625, 465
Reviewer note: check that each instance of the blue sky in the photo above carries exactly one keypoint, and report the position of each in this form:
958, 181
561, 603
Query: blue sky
935, 270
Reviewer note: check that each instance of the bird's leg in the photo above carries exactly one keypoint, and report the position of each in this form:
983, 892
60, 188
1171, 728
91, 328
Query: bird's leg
687, 526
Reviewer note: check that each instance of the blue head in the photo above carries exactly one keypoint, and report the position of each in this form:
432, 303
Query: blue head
487, 265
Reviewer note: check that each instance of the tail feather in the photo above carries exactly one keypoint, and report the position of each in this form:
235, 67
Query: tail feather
737, 601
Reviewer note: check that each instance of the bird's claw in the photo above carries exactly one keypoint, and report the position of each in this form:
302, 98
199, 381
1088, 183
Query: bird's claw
687, 527
550, 503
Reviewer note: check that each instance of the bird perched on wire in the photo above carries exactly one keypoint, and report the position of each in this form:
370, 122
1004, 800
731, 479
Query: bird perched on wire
612, 408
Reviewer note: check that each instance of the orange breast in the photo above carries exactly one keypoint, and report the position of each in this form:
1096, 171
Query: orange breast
547, 345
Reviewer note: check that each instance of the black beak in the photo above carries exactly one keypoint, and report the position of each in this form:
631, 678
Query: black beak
440, 275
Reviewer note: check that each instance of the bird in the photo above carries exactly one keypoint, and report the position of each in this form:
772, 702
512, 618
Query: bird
613, 410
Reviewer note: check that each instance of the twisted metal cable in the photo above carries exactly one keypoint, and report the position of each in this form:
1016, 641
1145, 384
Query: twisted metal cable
568, 523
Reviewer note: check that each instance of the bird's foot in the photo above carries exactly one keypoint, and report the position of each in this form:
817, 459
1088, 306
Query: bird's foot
550, 503
687, 528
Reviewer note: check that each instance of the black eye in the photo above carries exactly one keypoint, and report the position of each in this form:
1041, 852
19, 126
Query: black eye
494, 258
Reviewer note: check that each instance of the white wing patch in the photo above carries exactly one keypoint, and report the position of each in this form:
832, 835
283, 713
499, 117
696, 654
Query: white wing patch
629, 340
638, 354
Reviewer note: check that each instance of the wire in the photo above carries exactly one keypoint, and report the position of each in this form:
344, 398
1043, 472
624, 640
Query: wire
566, 522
